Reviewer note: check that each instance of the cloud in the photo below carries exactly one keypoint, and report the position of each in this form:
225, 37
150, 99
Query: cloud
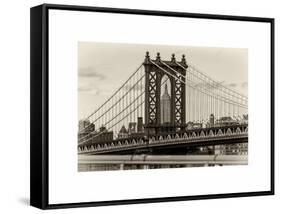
90, 72
88, 89
217, 85
209, 86
84, 89
137, 87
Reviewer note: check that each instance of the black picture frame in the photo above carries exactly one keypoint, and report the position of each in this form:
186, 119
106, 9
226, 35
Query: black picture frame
39, 151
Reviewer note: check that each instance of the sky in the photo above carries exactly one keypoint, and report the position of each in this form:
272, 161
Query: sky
103, 67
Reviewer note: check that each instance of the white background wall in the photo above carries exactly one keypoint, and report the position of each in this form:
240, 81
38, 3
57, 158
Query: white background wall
14, 107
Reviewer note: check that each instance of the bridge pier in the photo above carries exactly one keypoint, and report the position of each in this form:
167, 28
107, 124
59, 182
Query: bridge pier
146, 166
121, 166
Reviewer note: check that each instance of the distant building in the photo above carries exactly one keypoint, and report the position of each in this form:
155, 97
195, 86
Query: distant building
85, 129
140, 125
86, 126
212, 120
226, 121
132, 128
123, 133
193, 125
244, 119
89, 136
101, 137
233, 149
83, 124
103, 129
165, 106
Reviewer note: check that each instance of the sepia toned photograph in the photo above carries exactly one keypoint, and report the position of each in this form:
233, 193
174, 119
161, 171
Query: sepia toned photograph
154, 106
157, 106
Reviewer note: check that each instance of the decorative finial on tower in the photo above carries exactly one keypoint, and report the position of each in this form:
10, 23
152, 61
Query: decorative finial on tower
147, 54
147, 57
173, 59
183, 59
158, 56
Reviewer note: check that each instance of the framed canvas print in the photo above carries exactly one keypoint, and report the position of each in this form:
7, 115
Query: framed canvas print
136, 106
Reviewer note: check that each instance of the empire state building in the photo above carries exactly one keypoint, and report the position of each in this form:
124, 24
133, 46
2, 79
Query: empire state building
165, 106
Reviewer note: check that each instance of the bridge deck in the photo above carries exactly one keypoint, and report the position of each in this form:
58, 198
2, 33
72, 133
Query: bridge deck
164, 159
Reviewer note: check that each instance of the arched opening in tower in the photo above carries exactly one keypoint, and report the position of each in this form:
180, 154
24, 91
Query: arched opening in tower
165, 100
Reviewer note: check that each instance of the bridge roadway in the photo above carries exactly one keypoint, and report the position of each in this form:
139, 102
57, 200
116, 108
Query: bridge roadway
176, 143
92, 162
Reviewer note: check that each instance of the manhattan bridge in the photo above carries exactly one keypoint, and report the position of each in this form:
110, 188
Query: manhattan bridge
198, 114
